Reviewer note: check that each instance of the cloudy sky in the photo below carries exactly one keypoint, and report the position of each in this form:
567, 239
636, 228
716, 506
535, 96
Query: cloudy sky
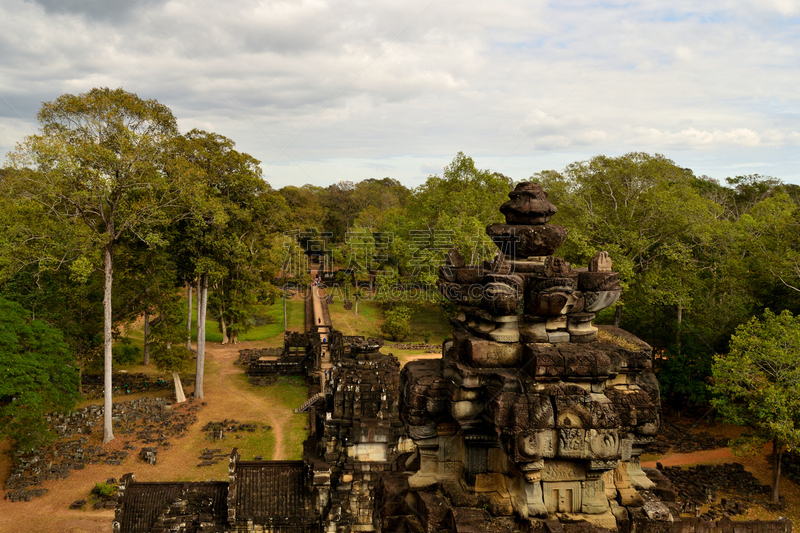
323, 90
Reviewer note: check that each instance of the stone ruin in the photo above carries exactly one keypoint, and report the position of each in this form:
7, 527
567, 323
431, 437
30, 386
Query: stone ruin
530, 414
293, 359
148, 420
533, 419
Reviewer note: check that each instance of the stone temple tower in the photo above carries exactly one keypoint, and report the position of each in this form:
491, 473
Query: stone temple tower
532, 415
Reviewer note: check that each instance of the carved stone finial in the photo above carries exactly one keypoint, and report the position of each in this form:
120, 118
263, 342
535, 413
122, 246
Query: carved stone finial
528, 205
601, 262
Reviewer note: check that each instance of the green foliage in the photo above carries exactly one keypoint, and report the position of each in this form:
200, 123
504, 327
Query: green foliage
103, 166
683, 376
104, 490
39, 376
451, 210
397, 323
365, 204
758, 383
125, 352
70, 307
232, 233
643, 210
168, 337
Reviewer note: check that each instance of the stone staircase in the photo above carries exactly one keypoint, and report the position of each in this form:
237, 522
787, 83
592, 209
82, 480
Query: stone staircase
308, 403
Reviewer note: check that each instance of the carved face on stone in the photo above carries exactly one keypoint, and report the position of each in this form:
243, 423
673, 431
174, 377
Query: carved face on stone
532, 445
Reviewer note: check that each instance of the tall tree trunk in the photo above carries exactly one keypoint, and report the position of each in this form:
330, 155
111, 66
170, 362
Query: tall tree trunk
146, 337
223, 327
678, 331
189, 316
108, 270
356, 307
777, 452
284, 308
617, 315
202, 301
180, 397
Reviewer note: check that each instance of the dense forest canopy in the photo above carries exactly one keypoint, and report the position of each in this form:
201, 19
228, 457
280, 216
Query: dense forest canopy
110, 213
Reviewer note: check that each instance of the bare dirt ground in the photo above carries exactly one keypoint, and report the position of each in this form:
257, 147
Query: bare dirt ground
226, 397
760, 466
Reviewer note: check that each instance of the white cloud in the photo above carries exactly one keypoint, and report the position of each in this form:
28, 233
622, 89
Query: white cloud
358, 88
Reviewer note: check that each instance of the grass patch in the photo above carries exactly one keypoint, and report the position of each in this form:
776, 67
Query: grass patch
367, 323
260, 442
427, 319
605, 336
286, 394
270, 331
273, 314
430, 319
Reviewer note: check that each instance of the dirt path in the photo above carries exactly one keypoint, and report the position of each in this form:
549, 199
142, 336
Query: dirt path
708, 457
219, 396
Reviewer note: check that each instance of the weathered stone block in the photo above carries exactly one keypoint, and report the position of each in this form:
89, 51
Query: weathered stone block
598, 281
497, 460
521, 242
571, 443
535, 332
559, 470
488, 354
533, 445
593, 497
595, 301
562, 496
557, 337
490, 482
468, 520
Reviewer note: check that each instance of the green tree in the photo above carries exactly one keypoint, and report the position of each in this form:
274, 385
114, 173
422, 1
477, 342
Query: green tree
101, 167
675, 252
757, 385
231, 240
169, 351
378, 198
772, 240
642, 209
646, 212
306, 206
39, 376
448, 210
67, 303
397, 323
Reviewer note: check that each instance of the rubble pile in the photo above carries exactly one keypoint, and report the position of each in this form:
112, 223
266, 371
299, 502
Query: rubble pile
149, 420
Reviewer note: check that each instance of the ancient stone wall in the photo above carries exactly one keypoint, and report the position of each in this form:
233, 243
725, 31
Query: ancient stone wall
298, 356
127, 383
